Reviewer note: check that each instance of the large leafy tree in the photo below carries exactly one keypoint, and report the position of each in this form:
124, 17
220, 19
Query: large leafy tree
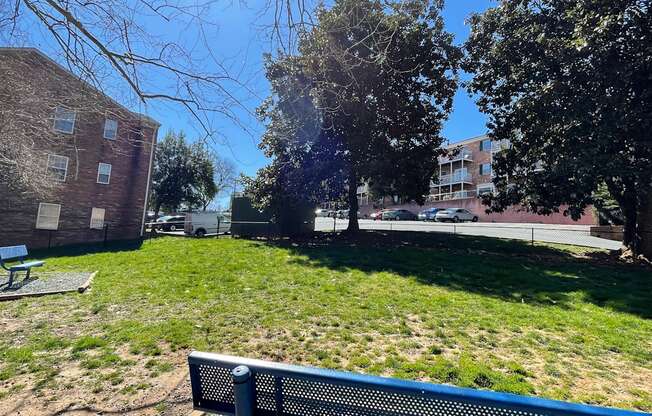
307, 161
214, 174
362, 101
183, 174
568, 82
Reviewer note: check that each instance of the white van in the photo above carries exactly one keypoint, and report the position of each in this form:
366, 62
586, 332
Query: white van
201, 223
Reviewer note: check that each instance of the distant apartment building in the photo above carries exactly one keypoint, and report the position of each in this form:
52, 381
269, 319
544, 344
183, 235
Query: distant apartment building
97, 154
463, 177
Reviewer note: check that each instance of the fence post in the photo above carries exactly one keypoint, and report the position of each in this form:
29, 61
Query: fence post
106, 232
334, 222
533, 236
454, 228
218, 227
243, 391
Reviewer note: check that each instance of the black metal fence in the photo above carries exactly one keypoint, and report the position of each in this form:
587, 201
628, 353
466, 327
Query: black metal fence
42, 238
579, 235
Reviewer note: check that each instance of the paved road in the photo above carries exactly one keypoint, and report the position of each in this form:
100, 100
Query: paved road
552, 233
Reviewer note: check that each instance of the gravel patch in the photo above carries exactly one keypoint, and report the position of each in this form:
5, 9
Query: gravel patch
42, 284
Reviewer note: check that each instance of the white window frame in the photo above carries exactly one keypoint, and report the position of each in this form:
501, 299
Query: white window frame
115, 133
96, 222
50, 166
39, 221
99, 172
74, 119
484, 186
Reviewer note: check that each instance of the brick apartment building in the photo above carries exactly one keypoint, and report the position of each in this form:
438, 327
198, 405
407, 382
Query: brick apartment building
97, 154
463, 178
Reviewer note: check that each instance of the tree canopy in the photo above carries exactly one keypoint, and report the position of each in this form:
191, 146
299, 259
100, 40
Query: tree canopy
362, 101
568, 83
187, 175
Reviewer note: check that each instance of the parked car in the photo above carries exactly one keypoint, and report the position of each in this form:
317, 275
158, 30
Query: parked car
455, 215
398, 215
170, 223
428, 214
201, 223
343, 214
151, 216
377, 215
322, 212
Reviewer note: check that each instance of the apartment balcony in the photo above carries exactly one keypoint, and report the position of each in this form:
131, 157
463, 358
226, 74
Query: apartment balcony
464, 154
497, 146
454, 178
451, 196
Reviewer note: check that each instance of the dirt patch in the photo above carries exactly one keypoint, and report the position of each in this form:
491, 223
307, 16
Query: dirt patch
77, 391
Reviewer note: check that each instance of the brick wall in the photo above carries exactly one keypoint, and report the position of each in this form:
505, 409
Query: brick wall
123, 198
512, 215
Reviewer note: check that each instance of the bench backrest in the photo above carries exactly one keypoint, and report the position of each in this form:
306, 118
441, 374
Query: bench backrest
13, 253
281, 389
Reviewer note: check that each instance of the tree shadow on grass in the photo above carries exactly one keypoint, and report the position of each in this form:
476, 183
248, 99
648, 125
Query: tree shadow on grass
510, 270
87, 248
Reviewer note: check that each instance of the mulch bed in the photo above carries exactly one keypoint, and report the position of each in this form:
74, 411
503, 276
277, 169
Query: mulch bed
44, 284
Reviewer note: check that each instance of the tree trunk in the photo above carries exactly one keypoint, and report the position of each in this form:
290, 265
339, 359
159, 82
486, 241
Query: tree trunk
645, 225
631, 239
353, 203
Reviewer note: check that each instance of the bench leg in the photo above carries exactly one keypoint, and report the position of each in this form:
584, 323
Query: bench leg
27, 275
11, 279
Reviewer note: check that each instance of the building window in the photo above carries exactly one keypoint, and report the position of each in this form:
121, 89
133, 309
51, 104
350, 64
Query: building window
485, 189
97, 218
58, 167
110, 129
485, 145
103, 173
47, 217
485, 169
64, 120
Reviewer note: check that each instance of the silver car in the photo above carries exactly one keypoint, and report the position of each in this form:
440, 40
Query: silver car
323, 212
455, 215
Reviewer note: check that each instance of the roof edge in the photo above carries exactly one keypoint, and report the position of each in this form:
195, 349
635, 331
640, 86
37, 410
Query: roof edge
42, 54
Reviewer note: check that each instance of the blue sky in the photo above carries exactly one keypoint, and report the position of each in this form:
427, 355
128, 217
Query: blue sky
237, 38
242, 43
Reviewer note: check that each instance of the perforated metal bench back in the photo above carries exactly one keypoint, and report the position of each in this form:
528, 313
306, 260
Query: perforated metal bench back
302, 391
13, 252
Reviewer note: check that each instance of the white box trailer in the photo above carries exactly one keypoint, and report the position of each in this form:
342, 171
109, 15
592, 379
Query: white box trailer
200, 224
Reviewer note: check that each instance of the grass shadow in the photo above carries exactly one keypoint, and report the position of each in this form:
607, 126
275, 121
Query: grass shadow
510, 270
87, 248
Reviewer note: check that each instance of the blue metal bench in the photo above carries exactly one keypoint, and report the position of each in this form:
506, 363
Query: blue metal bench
244, 387
16, 254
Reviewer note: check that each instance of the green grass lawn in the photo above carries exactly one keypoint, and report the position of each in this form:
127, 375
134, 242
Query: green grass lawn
551, 321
